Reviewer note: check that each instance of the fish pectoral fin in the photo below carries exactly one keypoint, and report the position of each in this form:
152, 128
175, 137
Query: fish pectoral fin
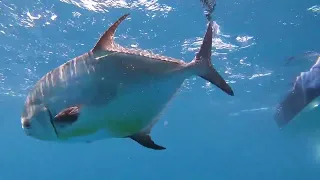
68, 115
146, 141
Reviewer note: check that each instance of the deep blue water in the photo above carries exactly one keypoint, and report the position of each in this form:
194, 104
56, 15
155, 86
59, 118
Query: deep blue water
208, 134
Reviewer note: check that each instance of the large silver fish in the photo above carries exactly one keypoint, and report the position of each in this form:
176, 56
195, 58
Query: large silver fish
299, 111
111, 92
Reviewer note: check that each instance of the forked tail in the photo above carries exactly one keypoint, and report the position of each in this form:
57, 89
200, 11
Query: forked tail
202, 63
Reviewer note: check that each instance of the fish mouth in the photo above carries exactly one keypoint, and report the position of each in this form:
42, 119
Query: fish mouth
52, 123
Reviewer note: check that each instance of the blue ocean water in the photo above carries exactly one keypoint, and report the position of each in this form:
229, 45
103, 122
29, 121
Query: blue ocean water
208, 134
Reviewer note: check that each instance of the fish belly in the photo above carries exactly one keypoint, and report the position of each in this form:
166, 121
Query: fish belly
132, 111
127, 114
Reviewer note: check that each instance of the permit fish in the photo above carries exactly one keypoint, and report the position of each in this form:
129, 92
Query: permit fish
112, 92
298, 111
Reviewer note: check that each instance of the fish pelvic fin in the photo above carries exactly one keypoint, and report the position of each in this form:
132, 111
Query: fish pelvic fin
107, 39
202, 65
146, 141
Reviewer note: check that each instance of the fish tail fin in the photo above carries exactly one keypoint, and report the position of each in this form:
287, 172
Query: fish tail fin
202, 63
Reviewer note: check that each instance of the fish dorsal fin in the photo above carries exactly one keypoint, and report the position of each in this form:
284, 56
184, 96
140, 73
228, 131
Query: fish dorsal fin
106, 39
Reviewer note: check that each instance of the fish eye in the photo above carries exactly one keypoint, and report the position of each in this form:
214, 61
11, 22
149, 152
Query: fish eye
26, 124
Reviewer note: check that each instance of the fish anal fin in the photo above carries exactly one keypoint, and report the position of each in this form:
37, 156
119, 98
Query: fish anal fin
107, 39
146, 141
68, 115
